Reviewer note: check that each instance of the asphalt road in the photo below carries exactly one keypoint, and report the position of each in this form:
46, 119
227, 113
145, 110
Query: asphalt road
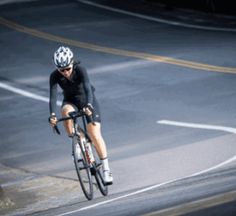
144, 72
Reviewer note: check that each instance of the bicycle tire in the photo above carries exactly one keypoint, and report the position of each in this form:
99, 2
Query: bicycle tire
82, 169
98, 173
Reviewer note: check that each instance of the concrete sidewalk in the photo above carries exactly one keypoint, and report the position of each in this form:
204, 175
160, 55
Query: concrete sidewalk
24, 193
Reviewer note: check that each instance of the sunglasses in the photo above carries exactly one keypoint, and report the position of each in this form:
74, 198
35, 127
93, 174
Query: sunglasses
65, 69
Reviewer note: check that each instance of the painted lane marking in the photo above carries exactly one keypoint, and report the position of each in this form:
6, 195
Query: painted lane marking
174, 123
120, 66
118, 198
149, 188
146, 17
45, 99
200, 126
207, 127
230, 160
26, 93
114, 51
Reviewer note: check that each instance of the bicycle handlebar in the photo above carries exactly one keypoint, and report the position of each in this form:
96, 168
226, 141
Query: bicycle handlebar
72, 115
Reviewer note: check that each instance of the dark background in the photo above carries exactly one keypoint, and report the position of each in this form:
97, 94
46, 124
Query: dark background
210, 6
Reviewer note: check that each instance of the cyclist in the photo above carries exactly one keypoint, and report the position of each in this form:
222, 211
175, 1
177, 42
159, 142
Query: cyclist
78, 94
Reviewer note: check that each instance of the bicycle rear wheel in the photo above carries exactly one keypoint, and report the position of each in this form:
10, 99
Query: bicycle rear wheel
82, 168
98, 173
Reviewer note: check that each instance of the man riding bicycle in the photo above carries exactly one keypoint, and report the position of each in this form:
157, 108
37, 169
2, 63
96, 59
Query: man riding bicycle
78, 94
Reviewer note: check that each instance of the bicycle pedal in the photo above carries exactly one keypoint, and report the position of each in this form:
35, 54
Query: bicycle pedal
93, 171
98, 165
108, 183
84, 167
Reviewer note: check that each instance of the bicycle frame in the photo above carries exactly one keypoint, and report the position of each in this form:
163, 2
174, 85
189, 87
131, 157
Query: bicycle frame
81, 133
90, 162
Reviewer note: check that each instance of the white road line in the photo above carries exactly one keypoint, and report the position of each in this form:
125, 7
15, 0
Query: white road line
200, 126
25, 93
232, 159
149, 188
155, 19
227, 129
174, 123
120, 66
118, 198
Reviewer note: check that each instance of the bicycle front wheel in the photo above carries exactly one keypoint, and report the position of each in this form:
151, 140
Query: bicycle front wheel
82, 168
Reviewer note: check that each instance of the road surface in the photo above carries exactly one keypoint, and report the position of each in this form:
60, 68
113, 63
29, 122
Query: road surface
167, 96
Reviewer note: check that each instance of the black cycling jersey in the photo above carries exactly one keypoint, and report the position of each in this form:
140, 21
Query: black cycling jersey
77, 90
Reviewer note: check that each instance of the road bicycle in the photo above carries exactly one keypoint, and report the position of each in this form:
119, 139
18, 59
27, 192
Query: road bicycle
85, 157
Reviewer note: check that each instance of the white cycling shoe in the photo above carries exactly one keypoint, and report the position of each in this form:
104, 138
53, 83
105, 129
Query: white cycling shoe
107, 176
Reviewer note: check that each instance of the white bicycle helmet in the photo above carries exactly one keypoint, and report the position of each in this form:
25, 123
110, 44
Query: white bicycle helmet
63, 57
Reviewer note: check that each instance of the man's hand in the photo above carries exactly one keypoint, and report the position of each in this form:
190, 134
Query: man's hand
52, 120
88, 109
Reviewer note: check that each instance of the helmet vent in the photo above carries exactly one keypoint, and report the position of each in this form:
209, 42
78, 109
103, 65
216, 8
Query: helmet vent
63, 57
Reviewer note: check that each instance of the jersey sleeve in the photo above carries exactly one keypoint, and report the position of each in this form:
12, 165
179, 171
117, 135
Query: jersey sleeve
53, 94
87, 85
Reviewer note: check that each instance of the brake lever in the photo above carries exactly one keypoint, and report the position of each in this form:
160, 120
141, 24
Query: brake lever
91, 119
90, 107
56, 130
